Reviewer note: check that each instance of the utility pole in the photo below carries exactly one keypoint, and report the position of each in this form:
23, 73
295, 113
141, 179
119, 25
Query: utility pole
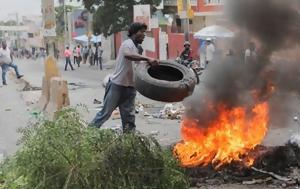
49, 25
18, 34
66, 25
185, 19
90, 26
17, 41
183, 6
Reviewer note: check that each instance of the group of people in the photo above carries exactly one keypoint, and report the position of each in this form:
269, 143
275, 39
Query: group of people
34, 53
6, 62
208, 51
87, 54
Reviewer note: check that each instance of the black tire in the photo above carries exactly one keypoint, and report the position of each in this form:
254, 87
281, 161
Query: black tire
168, 82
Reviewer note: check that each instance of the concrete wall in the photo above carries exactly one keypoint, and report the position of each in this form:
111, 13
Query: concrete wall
106, 46
152, 50
211, 20
150, 44
198, 23
153, 43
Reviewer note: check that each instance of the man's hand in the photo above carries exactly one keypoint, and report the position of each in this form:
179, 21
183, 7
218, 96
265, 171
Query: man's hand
153, 62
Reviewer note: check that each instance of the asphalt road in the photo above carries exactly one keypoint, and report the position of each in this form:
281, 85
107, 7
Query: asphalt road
85, 85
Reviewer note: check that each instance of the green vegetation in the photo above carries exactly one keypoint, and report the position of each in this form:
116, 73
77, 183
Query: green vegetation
60, 22
112, 16
64, 154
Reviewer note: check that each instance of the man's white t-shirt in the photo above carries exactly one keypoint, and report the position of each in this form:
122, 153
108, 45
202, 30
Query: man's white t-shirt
123, 74
5, 55
210, 50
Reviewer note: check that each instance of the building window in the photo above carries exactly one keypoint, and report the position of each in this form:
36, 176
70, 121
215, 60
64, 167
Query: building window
214, 2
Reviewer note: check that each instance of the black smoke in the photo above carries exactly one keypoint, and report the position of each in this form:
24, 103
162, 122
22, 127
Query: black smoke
274, 25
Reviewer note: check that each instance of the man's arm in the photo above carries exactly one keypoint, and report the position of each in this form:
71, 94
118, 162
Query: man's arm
134, 56
137, 57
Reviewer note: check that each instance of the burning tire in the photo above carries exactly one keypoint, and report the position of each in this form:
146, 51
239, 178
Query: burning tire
168, 82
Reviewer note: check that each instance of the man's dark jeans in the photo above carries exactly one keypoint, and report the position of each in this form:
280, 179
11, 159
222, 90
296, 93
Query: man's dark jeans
117, 96
68, 62
5, 69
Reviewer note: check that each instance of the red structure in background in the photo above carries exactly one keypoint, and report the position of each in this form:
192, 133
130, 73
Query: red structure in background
203, 7
176, 41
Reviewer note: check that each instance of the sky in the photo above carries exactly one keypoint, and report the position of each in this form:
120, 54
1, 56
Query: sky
9, 8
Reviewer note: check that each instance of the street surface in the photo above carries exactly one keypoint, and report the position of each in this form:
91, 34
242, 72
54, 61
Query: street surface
85, 85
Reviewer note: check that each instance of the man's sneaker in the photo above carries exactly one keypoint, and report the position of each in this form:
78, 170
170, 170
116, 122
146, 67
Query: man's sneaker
4, 83
20, 76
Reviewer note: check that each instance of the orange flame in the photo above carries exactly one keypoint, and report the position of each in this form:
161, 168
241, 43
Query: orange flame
232, 135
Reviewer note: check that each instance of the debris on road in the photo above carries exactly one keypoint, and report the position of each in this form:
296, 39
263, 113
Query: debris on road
257, 181
28, 87
97, 101
169, 111
295, 139
154, 133
276, 176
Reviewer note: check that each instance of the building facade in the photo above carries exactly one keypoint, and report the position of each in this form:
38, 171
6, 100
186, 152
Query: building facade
207, 12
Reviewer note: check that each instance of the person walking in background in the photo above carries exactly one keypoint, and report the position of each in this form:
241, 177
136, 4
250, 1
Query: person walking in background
250, 53
210, 50
120, 91
68, 55
78, 55
85, 54
90, 55
202, 53
96, 57
6, 54
100, 57
74, 55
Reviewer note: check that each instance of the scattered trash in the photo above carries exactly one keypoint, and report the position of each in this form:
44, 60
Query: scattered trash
28, 87
257, 181
7, 110
139, 108
117, 129
295, 139
146, 114
275, 176
75, 86
170, 111
154, 133
97, 101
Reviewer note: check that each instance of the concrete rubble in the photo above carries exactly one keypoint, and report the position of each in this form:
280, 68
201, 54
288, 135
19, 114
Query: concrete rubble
169, 111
